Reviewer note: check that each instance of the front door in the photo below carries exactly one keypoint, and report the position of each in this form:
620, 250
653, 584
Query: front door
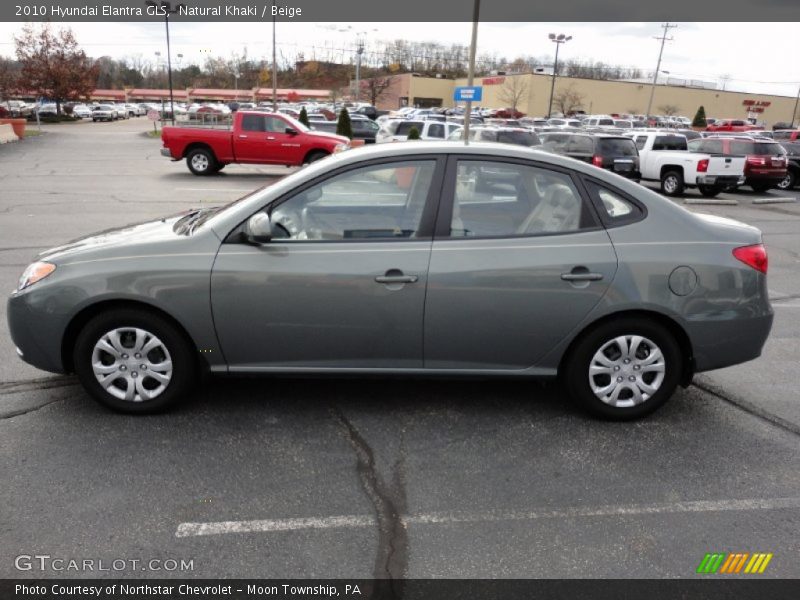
262, 139
518, 261
342, 283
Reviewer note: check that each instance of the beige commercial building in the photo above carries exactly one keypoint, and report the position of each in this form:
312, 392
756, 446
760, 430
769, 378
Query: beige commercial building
596, 97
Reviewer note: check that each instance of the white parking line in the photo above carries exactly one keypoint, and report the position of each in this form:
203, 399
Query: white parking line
351, 521
778, 305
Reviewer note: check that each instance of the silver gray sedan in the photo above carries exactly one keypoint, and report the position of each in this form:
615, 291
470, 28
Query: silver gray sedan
415, 258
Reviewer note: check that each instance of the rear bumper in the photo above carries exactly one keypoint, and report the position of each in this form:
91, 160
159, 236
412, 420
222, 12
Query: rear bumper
717, 179
719, 343
168, 153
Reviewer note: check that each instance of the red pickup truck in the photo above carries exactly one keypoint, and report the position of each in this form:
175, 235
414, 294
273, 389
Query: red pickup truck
253, 138
731, 125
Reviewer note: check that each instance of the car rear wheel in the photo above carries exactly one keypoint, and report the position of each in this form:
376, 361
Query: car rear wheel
788, 182
201, 161
672, 183
133, 361
623, 369
709, 191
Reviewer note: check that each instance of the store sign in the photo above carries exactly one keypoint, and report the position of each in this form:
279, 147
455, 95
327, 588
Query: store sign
762, 103
466, 93
493, 80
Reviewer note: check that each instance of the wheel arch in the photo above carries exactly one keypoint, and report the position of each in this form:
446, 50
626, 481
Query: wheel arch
313, 151
198, 146
87, 313
670, 324
667, 168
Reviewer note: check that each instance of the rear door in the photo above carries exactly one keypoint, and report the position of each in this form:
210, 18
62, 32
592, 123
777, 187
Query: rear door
519, 260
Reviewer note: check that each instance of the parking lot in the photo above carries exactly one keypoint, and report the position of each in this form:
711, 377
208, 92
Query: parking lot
377, 477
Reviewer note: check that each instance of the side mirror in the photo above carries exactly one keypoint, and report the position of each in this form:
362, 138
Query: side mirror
258, 229
290, 131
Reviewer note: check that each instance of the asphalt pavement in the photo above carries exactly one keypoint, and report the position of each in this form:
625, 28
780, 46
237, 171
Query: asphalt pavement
376, 477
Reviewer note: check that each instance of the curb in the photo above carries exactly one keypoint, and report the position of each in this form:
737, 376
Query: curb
774, 200
711, 201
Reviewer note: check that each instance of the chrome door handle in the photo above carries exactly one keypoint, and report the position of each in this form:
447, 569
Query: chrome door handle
242, 137
396, 279
269, 137
581, 276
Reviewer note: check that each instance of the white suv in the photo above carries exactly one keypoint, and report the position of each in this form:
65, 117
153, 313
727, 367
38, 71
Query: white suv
398, 130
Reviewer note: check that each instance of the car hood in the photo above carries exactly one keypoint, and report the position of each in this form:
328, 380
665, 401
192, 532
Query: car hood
120, 238
331, 136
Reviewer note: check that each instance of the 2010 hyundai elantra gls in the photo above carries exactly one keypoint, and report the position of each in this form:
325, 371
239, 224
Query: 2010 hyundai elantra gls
415, 258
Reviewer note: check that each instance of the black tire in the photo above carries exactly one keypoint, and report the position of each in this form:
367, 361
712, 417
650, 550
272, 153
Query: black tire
201, 161
760, 187
672, 183
315, 156
575, 370
184, 362
788, 183
709, 191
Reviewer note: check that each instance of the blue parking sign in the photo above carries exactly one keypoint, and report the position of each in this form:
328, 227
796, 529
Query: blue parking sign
467, 93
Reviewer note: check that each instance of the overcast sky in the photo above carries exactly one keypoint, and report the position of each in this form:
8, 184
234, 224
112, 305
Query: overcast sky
704, 51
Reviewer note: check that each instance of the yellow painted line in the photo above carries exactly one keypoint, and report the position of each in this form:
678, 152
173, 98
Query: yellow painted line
751, 563
757, 564
765, 563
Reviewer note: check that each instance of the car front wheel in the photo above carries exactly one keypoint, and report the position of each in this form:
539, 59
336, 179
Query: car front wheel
623, 369
134, 361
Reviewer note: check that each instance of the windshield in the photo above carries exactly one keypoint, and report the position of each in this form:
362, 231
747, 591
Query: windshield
295, 123
760, 148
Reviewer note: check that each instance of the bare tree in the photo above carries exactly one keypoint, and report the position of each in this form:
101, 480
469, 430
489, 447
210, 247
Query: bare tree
9, 78
53, 65
568, 100
375, 88
669, 109
513, 91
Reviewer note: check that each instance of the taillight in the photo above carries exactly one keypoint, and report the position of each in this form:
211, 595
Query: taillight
753, 256
702, 165
758, 161
597, 160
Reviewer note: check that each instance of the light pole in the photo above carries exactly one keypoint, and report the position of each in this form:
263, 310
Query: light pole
166, 9
796, 103
476, 14
359, 52
557, 40
274, 64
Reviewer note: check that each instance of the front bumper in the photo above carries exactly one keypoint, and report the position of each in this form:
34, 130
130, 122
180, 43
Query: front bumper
36, 334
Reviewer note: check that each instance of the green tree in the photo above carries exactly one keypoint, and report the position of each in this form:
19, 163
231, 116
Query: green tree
343, 125
303, 118
413, 134
700, 118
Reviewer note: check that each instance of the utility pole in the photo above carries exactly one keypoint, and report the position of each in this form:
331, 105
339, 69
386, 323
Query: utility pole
796, 103
274, 64
666, 27
476, 11
359, 52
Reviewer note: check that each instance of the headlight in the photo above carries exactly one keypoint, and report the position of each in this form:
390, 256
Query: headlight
340, 148
35, 272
